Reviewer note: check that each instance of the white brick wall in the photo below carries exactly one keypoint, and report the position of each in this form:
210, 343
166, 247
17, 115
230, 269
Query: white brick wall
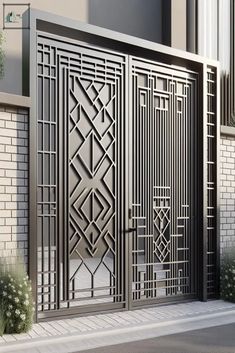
14, 182
227, 194
14, 185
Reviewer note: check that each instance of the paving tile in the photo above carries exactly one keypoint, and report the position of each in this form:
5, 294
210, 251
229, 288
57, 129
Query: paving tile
22, 336
9, 338
97, 323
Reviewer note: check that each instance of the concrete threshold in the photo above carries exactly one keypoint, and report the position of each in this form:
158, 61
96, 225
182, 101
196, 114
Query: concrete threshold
75, 342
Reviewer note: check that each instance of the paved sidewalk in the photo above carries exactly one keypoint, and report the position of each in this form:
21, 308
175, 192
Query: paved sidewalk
77, 334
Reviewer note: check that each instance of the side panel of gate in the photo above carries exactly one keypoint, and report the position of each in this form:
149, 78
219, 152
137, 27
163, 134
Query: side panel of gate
81, 112
163, 190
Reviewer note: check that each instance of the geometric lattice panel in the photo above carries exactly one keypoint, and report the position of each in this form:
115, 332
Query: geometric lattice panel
163, 179
92, 192
81, 99
212, 280
116, 132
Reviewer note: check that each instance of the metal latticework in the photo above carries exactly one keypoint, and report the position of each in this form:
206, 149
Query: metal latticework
47, 182
96, 91
80, 249
164, 133
211, 181
124, 171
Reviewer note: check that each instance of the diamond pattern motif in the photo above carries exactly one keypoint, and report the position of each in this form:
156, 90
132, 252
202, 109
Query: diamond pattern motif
162, 248
161, 224
92, 182
91, 154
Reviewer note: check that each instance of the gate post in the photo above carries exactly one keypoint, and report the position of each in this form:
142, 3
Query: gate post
204, 188
33, 161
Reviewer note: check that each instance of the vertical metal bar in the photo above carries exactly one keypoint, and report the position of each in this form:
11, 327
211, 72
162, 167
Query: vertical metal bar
173, 186
43, 189
49, 192
151, 182
60, 186
33, 174
217, 181
147, 176
118, 114
128, 144
56, 88
204, 183
195, 171
65, 143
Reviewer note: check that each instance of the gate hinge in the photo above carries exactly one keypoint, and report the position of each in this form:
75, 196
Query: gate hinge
130, 213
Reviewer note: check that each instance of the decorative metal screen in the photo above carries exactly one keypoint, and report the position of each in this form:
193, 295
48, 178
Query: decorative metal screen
95, 86
211, 181
164, 115
47, 179
121, 141
81, 108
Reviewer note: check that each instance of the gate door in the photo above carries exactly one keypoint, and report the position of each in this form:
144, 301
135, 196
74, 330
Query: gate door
163, 191
81, 109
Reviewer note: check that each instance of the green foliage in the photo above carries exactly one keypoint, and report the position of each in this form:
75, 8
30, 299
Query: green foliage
2, 320
16, 303
2, 55
228, 278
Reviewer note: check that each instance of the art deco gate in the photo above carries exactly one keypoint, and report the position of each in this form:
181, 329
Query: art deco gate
117, 180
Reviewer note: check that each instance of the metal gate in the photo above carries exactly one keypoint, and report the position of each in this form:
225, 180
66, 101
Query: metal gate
126, 207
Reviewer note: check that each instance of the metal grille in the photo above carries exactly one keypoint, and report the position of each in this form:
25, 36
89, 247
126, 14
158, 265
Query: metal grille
163, 181
100, 170
80, 181
211, 181
47, 188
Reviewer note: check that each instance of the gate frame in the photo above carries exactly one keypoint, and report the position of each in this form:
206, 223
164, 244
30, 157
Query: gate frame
126, 44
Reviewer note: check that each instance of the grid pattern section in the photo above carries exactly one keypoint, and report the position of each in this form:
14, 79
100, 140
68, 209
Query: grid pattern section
79, 175
211, 181
47, 189
14, 183
164, 191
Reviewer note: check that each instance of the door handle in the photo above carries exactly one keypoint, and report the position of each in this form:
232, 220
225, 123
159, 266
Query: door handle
131, 230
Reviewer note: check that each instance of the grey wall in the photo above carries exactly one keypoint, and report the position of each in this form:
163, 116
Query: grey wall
178, 24
12, 81
208, 28
140, 18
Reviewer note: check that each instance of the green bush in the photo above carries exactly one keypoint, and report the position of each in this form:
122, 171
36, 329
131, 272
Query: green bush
2, 321
227, 283
16, 303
